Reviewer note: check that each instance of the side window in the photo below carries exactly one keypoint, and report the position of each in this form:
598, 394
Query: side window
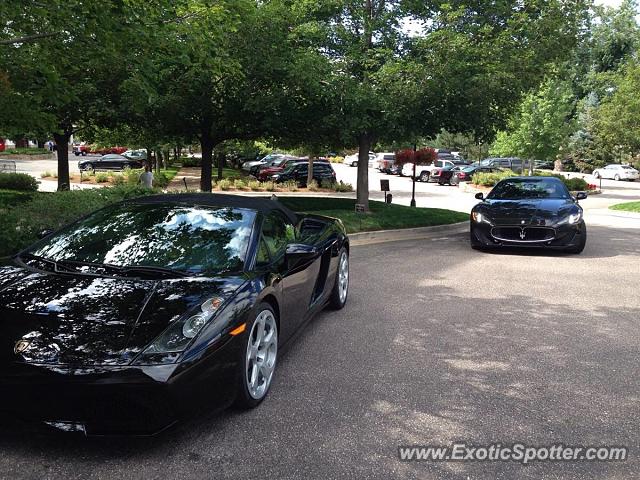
276, 234
262, 257
438, 163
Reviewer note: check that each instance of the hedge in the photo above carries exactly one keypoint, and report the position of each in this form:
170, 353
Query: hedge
490, 179
18, 181
20, 222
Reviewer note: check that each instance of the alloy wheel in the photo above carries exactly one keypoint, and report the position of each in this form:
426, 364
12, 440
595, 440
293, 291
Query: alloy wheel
262, 351
343, 277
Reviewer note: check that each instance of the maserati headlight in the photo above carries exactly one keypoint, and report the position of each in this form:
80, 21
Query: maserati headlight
177, 337
479, 217
571, 219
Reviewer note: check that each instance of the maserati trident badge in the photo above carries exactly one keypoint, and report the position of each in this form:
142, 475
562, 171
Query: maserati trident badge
522, 234
21, 346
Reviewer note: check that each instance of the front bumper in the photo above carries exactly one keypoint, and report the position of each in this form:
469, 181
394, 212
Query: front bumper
563, 236
139, 400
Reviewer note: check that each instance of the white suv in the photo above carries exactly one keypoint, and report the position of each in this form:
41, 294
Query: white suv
353, 159
425, 173
617, 172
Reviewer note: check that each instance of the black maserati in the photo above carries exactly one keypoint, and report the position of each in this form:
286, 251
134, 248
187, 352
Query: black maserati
529, 212
146, 310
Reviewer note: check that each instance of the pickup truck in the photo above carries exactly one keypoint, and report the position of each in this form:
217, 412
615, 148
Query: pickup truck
426, 173
80, 149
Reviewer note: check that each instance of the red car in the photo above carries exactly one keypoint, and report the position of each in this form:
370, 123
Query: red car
109, 150
264, 174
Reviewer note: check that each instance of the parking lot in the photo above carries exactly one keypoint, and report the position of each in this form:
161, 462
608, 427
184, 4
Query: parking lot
438, 343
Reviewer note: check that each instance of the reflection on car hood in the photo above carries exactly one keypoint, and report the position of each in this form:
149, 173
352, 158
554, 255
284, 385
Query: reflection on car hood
86, 320
534, 211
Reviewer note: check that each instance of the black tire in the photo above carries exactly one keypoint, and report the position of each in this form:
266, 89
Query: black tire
84, 154
583, 242
354, 164
88, 168
336, 300
77, 154
244, 400
617, 178
424, 177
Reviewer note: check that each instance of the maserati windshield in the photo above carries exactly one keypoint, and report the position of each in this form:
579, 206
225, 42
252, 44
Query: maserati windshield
190, 239
525, 188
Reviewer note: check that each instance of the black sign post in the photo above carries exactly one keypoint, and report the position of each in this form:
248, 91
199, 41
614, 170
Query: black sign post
384, 187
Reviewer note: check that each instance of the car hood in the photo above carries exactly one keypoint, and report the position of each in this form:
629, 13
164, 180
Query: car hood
89, 320
529, 212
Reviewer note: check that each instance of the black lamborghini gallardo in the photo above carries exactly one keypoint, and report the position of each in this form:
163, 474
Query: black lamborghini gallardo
136, 314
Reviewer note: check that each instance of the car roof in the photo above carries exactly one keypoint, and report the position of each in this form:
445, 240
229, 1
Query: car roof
264, 205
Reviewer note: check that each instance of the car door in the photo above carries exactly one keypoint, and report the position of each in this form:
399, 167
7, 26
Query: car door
297, 281
607, 172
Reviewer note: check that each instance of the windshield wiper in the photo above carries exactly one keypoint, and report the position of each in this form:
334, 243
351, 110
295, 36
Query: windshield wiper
154, 269
56, 264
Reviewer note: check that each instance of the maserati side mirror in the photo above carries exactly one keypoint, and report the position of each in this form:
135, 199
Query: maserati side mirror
581, 195
480, 196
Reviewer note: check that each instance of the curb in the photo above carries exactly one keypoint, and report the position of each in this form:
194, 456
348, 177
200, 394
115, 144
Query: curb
382, 236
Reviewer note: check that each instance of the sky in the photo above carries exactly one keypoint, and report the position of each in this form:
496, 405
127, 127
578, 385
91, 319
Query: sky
610, 3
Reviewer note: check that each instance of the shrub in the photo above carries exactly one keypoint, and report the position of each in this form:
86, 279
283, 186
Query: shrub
290, 186
18, 181
404, 156
191, 161
575, 184
342, 187
25, 151
48, 174
102, 177
425, 156
224, 184
489, 179
160, 179
240, 184
336, 159
270, 186
313, 186
117, 179
20, 224
255, 185
131, 176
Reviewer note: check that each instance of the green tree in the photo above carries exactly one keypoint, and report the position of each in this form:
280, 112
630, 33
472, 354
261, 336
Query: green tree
541, 126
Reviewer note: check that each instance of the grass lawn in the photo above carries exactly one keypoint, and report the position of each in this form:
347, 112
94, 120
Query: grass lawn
10, 198
627, 207
382, 216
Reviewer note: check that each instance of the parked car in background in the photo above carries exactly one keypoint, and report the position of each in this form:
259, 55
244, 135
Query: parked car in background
384, 161
107, 150
271, 164
352, 160
617, 172
510, 163
246, 166
80, 149
426, 173
108, 162
543, 165
297, 172
265, 172
139, 154
463, 173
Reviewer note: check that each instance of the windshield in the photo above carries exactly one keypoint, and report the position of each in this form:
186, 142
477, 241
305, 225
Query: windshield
195, 239
522, 188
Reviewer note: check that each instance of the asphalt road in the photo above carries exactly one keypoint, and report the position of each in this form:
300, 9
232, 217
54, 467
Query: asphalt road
438, 343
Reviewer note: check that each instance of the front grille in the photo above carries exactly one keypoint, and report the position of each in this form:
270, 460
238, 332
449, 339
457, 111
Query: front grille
523, 234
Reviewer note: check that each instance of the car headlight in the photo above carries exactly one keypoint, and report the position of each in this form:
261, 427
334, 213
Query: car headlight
571, 219
479, 217
177, 337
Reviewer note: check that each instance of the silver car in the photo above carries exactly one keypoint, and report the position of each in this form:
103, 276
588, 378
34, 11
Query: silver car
616, 172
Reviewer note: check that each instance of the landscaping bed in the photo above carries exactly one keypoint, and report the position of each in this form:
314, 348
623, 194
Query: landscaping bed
24, 214
126, 177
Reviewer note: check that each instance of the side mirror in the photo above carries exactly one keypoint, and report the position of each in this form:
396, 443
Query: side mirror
581, 195
45, 233
298, 253
480, 196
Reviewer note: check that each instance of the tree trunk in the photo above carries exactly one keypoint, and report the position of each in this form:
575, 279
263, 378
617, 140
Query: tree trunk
310, 169
62, 141
40, 143
220, 159
158, 159
206, 143
362, 188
